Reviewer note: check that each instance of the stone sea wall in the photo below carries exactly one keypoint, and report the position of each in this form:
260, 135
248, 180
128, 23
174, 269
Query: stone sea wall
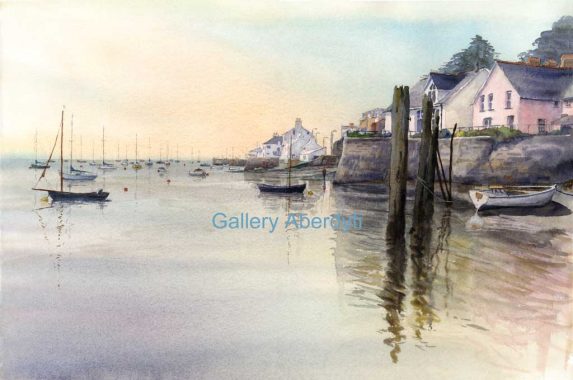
477, 160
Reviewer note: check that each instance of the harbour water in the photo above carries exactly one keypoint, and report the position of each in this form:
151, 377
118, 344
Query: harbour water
145, 287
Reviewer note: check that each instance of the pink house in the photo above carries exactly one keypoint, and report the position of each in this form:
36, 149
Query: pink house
523, 96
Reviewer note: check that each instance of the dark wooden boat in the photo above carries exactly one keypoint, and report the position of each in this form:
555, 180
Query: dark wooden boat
61, 195
281, 189
57, 195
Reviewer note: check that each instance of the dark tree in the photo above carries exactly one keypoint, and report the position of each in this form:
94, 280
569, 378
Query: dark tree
478, 55
552, 43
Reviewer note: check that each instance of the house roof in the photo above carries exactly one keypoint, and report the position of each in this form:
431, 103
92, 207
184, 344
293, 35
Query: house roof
446, 81
274, 140
537, 82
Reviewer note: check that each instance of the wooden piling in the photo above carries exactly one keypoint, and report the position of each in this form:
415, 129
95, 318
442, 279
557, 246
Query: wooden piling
398, 163
424, 200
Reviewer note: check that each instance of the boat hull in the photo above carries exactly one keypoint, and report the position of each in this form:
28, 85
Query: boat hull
69, 196
281, 189
563, 197
489, 199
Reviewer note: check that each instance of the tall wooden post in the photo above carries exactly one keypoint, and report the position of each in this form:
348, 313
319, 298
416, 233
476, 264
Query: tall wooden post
424, 201
398, 163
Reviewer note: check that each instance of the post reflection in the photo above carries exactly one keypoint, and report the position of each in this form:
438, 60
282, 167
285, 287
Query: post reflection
393, 294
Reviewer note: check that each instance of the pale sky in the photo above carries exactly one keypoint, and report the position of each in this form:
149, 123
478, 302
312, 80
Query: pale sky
223, 75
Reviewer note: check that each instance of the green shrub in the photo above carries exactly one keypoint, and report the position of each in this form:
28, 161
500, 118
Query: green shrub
499, 134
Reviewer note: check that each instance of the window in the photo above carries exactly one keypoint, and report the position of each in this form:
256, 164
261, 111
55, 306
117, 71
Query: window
419, 121
487, 122
556, 104
490, 102
482, 103
541, 126
510, 121
508, 99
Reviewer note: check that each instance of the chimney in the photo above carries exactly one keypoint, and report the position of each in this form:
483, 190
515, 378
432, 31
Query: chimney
550, 63
567, 60
533, 61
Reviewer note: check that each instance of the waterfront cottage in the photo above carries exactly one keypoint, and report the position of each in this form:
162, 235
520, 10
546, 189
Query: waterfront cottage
524, 96
272, 147
452, 95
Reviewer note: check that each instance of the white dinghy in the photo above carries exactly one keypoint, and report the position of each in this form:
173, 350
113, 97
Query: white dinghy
516, 196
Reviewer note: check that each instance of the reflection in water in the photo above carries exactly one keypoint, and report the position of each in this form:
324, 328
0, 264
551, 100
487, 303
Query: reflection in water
393, 294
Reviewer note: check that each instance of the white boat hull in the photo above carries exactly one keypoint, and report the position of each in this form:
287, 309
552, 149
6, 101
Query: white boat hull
488, 199
79, 176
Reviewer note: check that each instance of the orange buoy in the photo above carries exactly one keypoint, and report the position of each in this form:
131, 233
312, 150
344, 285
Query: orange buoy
168, 181
125, 189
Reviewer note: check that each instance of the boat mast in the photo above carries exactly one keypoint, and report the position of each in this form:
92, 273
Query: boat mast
118, 152
36, 147
289, 157
81, 147
71, 142
149, 150
136, 148
103, 145
62, 152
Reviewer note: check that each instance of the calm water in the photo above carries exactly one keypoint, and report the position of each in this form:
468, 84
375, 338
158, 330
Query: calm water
143, 286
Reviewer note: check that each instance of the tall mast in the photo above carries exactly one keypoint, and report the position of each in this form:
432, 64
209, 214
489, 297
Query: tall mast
103, 145
118, 152
36, 147
136, 148
71, 142
149, 149
289, 157
62, 152
81, 147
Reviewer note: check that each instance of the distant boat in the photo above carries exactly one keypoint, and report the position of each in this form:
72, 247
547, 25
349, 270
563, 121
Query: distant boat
105, 165
236, 169
81, 160
136, 165
516, 196
74, 174
61, 195
161, 169
37, 164
198, 173
288, 189
149, 163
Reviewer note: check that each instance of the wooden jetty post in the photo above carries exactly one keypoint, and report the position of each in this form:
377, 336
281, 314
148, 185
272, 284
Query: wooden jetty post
424, 201
398, 163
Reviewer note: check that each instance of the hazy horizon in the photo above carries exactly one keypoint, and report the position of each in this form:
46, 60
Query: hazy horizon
219, 76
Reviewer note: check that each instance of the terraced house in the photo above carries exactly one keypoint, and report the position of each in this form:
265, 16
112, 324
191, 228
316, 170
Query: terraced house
523, 95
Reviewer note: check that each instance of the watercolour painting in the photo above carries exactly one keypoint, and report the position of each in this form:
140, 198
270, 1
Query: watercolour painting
211, 189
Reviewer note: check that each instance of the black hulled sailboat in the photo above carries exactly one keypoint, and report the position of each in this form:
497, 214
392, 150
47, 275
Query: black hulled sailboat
61, 195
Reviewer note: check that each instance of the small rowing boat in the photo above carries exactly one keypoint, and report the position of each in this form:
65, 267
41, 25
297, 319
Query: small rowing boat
516, 196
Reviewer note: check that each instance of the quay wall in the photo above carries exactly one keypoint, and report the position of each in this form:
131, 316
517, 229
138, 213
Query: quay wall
477, 160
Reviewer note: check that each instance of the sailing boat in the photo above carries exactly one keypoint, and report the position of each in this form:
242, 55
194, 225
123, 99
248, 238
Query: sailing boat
93, 163
37, 164
81, 160
136, 165
104, 165
61, 195
289, 189
167, 162
149, 162
125, 162
117, 160
160, 159
75, 174
177, 158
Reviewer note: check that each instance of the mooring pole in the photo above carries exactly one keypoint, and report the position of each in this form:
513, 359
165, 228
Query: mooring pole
398, 163
424, 201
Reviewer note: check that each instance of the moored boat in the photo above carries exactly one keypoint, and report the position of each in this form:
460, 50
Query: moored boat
61, 195
198, 173
281, 189
514, 196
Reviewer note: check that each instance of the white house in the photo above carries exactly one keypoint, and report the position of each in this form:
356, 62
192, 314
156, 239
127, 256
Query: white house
302, 141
